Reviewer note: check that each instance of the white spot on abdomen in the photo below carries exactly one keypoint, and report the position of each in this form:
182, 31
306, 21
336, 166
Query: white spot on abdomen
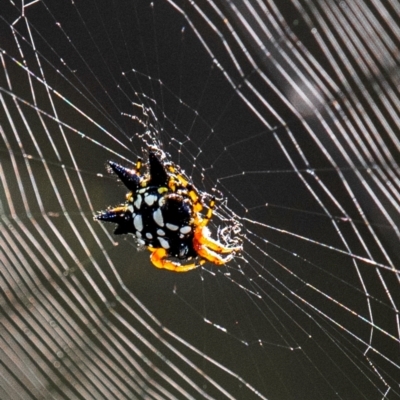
138, 201
160, 232
138, 222
185, 229
158, 217
172, 227
164, 243
150, 199
149, 235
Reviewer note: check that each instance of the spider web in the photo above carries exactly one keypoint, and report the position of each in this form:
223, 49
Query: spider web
290, 109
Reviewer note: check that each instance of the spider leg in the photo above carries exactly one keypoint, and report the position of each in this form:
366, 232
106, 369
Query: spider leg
207, 247
158, 258
178, 179
202, 222
202, 238
211, 256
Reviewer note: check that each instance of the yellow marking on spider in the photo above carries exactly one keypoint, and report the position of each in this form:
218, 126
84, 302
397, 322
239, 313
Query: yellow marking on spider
194, 197
138, 165
172, 184
182, 180
129, 197
119, 209
202, 222
162, 190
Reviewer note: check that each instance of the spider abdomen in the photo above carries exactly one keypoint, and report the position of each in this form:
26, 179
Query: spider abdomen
158, 218
163, 211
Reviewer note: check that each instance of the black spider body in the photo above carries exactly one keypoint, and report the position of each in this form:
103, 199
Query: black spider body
160, 220
154, 215
163, 212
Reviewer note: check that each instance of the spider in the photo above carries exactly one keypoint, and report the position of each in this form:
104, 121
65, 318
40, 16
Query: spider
163, 210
